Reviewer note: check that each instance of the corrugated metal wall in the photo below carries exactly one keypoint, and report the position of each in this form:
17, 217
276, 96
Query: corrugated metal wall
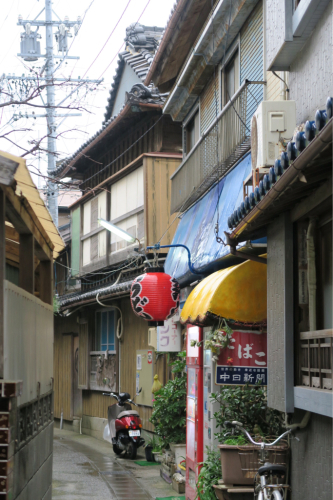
252, 59
210, 102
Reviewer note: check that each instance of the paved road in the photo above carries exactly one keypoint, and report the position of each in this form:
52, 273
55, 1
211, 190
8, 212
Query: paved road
84, 467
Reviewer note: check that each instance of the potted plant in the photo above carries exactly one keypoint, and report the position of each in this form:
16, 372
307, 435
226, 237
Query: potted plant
152, 448
248, 405
169, 406
217, 339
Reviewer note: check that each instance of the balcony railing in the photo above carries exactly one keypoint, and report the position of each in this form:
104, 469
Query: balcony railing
219, 148
316, 359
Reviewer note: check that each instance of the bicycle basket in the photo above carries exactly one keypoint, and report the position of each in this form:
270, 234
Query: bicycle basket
250, 458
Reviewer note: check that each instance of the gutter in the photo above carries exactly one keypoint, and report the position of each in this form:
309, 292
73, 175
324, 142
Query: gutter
218, 24
324, 138
171, 26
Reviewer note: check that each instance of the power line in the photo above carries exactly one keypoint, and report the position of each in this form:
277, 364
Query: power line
99, 53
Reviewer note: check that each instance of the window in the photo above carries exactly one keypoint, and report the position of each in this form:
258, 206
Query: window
191, 133
105, 330
230, 78
324, 263
314, 304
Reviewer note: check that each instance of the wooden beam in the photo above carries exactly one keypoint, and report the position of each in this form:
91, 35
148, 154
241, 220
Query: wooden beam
11, 233
27, 264
2, 275
312, 201
46, 281
316, 334
25, 221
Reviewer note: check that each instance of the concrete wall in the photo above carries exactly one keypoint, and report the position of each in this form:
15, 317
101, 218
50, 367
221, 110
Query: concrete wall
33, 468
311, 464
275, 28
310, 77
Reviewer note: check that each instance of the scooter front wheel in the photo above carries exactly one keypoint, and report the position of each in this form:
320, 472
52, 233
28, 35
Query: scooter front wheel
131, 450
116, 450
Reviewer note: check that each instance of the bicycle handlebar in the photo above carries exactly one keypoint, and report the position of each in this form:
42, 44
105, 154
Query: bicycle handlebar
238, 425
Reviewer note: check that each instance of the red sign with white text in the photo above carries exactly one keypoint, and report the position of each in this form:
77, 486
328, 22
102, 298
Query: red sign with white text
244, 361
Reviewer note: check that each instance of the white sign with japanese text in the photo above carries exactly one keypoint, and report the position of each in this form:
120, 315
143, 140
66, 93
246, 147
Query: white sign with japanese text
169, 335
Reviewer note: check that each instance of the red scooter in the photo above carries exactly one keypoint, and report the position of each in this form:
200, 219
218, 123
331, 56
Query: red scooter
124, 424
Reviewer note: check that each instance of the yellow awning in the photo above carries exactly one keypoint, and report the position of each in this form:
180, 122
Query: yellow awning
238, 293
26, 187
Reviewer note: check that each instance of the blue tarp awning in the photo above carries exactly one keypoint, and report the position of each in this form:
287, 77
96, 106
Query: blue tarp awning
196, 228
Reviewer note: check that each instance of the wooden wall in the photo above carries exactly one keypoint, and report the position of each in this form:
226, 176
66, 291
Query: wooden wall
158, 198
135, 337
64, 328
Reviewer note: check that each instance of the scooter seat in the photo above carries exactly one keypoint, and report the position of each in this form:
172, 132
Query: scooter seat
127, 413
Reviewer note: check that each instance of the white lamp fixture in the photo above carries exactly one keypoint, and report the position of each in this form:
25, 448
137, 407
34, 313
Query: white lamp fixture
116, 230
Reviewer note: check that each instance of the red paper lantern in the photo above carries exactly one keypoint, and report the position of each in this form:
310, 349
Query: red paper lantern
155, 296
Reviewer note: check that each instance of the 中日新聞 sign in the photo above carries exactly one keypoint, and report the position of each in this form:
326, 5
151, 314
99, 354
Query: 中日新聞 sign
244, 361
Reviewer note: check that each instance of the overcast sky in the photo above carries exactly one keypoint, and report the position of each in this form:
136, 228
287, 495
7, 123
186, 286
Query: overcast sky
101, 17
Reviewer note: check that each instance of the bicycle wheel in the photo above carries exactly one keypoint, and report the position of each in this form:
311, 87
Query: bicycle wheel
277, 495
260, 496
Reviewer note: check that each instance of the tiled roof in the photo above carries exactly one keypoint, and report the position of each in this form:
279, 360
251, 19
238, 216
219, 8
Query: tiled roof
295, 148
139, 59
139, 62
67, 301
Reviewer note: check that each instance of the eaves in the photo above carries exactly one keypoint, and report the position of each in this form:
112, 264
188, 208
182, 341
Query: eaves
208, 52
299, 27
100, 135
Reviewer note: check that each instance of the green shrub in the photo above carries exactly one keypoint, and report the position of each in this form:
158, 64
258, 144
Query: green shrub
209, 474
169, 406
248, 405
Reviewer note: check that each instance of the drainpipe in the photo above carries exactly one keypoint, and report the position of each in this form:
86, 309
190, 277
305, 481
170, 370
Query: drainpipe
312, 281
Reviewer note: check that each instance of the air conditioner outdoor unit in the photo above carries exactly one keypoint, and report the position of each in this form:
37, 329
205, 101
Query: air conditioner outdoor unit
272, 125
152, 337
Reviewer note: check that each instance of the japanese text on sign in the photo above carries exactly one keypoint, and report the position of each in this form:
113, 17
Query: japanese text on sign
169, 336
244, 361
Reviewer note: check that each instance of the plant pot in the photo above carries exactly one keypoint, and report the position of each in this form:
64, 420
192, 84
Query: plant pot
149, 454
157, 456
240, 464
179, 451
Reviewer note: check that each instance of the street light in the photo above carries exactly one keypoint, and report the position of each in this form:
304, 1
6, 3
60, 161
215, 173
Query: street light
119, 232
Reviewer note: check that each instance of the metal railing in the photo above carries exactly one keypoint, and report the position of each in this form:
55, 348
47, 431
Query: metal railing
226, 140
316, 359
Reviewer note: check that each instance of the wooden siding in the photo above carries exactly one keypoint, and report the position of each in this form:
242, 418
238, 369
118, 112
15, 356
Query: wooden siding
75, 254
158, 198
83, 381
64, 329
63, 382
273, 87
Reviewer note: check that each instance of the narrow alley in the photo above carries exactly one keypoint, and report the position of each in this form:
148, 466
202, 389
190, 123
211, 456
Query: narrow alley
84, 467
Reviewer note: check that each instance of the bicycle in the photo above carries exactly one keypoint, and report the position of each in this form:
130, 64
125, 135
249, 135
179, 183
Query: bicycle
264, 489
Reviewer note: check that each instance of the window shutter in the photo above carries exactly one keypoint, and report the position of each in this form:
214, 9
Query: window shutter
83, 382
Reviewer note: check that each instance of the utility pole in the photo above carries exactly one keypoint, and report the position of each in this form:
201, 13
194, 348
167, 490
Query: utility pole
52, 191
30, 51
